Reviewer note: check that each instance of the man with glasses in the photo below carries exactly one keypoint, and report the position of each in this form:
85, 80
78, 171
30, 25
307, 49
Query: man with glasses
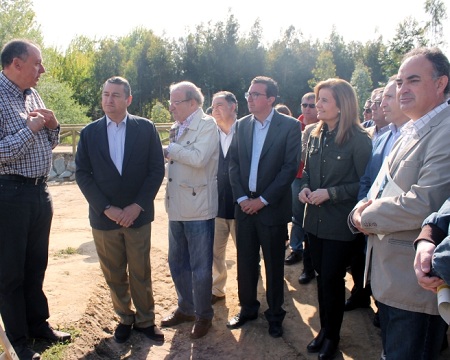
378, 118
308, 118
191, 203
367, 114
265, 156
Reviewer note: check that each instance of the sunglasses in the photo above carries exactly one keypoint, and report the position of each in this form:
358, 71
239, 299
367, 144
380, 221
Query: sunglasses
311, 106
367, 110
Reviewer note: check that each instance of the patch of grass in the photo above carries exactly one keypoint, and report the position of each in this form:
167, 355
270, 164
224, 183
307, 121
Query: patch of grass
66, 252
56, 351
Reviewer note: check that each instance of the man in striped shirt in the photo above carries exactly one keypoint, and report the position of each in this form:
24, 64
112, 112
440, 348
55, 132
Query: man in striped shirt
28, 133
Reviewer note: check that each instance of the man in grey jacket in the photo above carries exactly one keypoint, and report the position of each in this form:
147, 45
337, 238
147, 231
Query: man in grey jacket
191, 203
417, 176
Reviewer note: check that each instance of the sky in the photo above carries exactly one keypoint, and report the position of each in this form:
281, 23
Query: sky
62, 21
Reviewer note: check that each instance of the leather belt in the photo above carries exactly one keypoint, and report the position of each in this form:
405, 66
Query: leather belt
25, 180
253, 195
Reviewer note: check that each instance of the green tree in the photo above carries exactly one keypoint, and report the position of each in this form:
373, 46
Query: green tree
57, 96
159, 113
408, 36
438, 13
324, 69
362, 83
17, 20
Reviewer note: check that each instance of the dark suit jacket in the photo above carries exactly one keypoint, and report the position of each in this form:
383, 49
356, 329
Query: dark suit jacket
226, 204
374, 165
102, 184
278, 166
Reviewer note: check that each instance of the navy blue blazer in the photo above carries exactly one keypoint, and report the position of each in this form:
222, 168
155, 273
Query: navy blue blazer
277, 168
100, 181
374, 165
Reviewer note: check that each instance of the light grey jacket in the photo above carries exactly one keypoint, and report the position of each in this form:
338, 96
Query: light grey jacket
191, 172
421, 170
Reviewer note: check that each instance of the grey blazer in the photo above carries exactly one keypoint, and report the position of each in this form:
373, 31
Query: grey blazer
421, 169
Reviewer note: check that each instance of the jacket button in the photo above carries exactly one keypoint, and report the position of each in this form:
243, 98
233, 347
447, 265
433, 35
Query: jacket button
170, 179
171, 161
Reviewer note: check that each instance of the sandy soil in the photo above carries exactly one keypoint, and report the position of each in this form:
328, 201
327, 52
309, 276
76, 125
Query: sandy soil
79, 298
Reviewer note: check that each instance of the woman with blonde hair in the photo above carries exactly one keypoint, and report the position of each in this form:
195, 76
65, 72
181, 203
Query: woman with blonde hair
337, 153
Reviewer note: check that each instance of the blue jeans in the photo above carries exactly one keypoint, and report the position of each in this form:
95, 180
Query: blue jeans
410, 335
190, 261
298, 209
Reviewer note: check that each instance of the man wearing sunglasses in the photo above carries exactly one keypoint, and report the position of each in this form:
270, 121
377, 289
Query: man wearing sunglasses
367, 114
308, 117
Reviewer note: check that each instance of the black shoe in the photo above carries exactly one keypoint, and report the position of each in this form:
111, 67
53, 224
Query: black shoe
152, 332
240, 320
122, 333
294, 257
275, 329
316, 344
46, 332
215, 298
376, 320
25, 353
352, 304
306, 277
329, 350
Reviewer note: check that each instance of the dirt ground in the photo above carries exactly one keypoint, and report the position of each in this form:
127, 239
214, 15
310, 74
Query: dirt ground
79, 298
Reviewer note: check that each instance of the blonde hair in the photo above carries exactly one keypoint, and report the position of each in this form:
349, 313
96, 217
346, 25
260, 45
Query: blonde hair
347, 102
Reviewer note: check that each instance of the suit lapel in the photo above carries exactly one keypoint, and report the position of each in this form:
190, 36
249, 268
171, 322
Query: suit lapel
271, 134
130, 140
248, 134
103, 144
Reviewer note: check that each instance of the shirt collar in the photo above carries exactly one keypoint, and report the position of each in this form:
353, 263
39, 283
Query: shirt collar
9, 85
109, 121
267, 120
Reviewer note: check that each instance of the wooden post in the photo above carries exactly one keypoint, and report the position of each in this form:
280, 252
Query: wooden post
9, 352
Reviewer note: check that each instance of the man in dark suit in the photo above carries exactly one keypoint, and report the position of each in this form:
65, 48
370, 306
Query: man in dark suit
120, 167
265, 155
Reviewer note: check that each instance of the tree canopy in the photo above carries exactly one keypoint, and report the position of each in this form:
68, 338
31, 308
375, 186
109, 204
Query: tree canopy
215, 57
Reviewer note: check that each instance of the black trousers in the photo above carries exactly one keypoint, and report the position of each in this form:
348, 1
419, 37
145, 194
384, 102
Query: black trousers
26, 213
251, 236
357, 264
330, 259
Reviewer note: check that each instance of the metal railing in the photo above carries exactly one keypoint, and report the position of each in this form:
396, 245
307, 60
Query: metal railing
73, 130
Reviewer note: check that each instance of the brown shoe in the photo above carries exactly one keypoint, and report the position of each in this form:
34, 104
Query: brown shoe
200, 328
176, 318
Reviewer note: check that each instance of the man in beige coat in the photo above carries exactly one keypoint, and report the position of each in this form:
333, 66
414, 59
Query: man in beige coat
191, 203
418, 164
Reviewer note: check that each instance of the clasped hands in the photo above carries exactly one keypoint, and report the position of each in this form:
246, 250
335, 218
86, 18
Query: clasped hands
316, 197
124, 217
251, 206
39, 118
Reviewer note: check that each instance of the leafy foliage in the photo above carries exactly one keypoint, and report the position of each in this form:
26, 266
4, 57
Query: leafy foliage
215, 56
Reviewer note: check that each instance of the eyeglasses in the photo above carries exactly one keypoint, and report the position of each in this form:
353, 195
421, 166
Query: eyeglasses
311, 106
367, 110
253, 95
176, 103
